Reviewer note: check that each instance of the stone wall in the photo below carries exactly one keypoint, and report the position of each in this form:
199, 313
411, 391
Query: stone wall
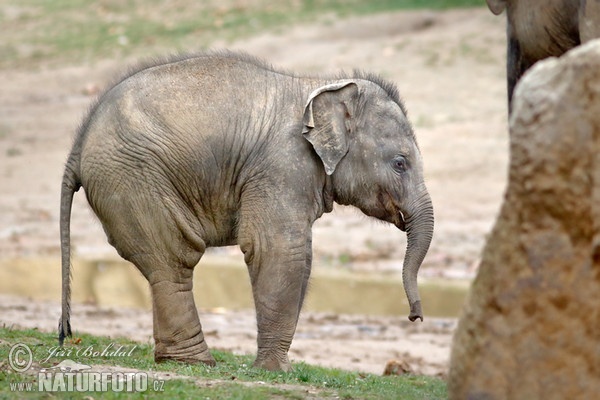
531, 326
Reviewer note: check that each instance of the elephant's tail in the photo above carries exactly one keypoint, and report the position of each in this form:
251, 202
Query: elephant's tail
70, 184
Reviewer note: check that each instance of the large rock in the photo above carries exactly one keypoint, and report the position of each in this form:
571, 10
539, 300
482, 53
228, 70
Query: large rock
531, 326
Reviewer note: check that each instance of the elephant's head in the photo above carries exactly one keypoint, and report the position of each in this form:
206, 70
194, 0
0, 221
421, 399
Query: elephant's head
360, 131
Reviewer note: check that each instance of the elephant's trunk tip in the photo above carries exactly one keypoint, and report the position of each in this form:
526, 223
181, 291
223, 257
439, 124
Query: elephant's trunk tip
415, 311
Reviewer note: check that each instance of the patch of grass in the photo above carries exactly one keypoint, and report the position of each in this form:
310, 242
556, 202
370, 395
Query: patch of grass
233, 378
345, 258
13, 152
41, 32
5, 130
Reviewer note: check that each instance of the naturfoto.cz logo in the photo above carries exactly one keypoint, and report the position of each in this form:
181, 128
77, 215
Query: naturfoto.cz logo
71, 376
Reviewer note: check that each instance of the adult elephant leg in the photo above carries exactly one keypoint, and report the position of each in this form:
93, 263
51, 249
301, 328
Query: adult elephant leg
279, 266
589, 20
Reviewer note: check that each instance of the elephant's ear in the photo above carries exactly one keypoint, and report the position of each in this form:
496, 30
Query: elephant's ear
327, 120
496, 6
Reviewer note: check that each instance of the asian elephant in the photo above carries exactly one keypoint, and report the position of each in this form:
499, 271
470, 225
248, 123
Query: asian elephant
544, 28
219, 149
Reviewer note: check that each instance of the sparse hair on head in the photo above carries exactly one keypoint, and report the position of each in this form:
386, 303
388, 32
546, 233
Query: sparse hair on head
389, 87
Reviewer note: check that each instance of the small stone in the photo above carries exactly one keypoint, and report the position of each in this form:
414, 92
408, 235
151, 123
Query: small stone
397, 367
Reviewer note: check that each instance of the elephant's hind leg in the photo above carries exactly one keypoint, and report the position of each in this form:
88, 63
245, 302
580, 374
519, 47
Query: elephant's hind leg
178, 333
163, 250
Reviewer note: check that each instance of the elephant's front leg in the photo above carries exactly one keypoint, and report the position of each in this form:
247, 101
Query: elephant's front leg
278, 260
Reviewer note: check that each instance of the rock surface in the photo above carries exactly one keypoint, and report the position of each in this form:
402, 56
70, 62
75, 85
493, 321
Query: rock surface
531, 327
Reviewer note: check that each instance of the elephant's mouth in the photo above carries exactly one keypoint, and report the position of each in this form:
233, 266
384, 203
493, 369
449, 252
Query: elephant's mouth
401, 222
389, 210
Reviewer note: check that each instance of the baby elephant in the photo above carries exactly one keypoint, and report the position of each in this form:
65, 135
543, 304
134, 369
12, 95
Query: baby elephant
219, 149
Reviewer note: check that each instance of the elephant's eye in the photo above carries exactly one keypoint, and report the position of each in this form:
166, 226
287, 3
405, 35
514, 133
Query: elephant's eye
400, 164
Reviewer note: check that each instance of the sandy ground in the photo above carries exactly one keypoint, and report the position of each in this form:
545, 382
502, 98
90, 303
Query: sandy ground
449, 67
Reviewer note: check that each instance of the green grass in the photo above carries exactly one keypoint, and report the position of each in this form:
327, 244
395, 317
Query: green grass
49, 32
233, 378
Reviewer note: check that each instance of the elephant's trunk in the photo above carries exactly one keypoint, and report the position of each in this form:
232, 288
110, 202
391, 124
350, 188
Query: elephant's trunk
419, 231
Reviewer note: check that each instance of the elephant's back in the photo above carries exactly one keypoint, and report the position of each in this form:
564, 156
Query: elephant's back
200, 96
195, 122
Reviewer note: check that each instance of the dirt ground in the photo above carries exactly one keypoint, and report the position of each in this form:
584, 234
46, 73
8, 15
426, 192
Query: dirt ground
449, 68
361, 343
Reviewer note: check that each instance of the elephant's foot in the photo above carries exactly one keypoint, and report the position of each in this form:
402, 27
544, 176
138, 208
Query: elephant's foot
186, 345
198, 353
177, 329
273, 363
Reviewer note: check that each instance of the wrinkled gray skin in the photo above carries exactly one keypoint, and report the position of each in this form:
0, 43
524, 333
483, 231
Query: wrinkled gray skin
537, 29
219, 149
